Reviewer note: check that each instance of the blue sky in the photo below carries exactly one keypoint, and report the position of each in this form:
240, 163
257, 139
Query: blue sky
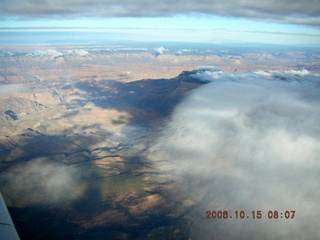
161, 23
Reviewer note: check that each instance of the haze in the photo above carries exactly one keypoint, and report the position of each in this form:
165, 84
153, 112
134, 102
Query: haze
134, 119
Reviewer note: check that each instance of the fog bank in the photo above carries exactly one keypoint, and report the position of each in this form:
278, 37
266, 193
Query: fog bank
248, 141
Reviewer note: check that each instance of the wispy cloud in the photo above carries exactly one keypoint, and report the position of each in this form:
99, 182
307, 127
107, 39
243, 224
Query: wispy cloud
284, 11
249, 141
42, 181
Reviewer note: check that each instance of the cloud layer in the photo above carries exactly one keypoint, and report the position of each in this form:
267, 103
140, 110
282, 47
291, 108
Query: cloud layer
285, 11
55, 53
249, 141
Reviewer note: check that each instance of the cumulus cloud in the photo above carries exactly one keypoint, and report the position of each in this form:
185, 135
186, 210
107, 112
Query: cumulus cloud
78, 52
249, 141
160, 50
42, 181
288, 11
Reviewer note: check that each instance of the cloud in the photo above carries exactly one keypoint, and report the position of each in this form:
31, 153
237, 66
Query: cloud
78, 52
55, 53
285, 11
160, 51
49, 52
248, 141
42, 181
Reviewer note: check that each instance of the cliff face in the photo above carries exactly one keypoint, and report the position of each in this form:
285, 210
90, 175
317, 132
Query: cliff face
44, 120
59, 104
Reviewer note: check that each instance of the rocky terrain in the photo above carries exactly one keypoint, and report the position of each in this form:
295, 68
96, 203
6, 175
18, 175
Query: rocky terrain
75, 127
72, 155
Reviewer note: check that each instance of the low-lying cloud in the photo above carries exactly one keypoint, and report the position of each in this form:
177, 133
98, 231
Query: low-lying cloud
42, 181
249, 141
55, 53
285, 11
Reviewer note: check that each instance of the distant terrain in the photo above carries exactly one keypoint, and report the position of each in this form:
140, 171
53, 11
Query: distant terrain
77, 121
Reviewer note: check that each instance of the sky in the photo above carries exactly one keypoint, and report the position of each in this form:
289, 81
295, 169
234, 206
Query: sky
213, 21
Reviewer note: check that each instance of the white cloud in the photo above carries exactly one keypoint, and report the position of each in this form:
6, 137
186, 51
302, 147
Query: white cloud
79, 52
161, 50
49, 52
42, 181
55, 53
249, 142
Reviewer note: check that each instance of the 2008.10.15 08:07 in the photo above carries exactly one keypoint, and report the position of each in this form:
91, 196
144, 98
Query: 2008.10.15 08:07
256, 214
